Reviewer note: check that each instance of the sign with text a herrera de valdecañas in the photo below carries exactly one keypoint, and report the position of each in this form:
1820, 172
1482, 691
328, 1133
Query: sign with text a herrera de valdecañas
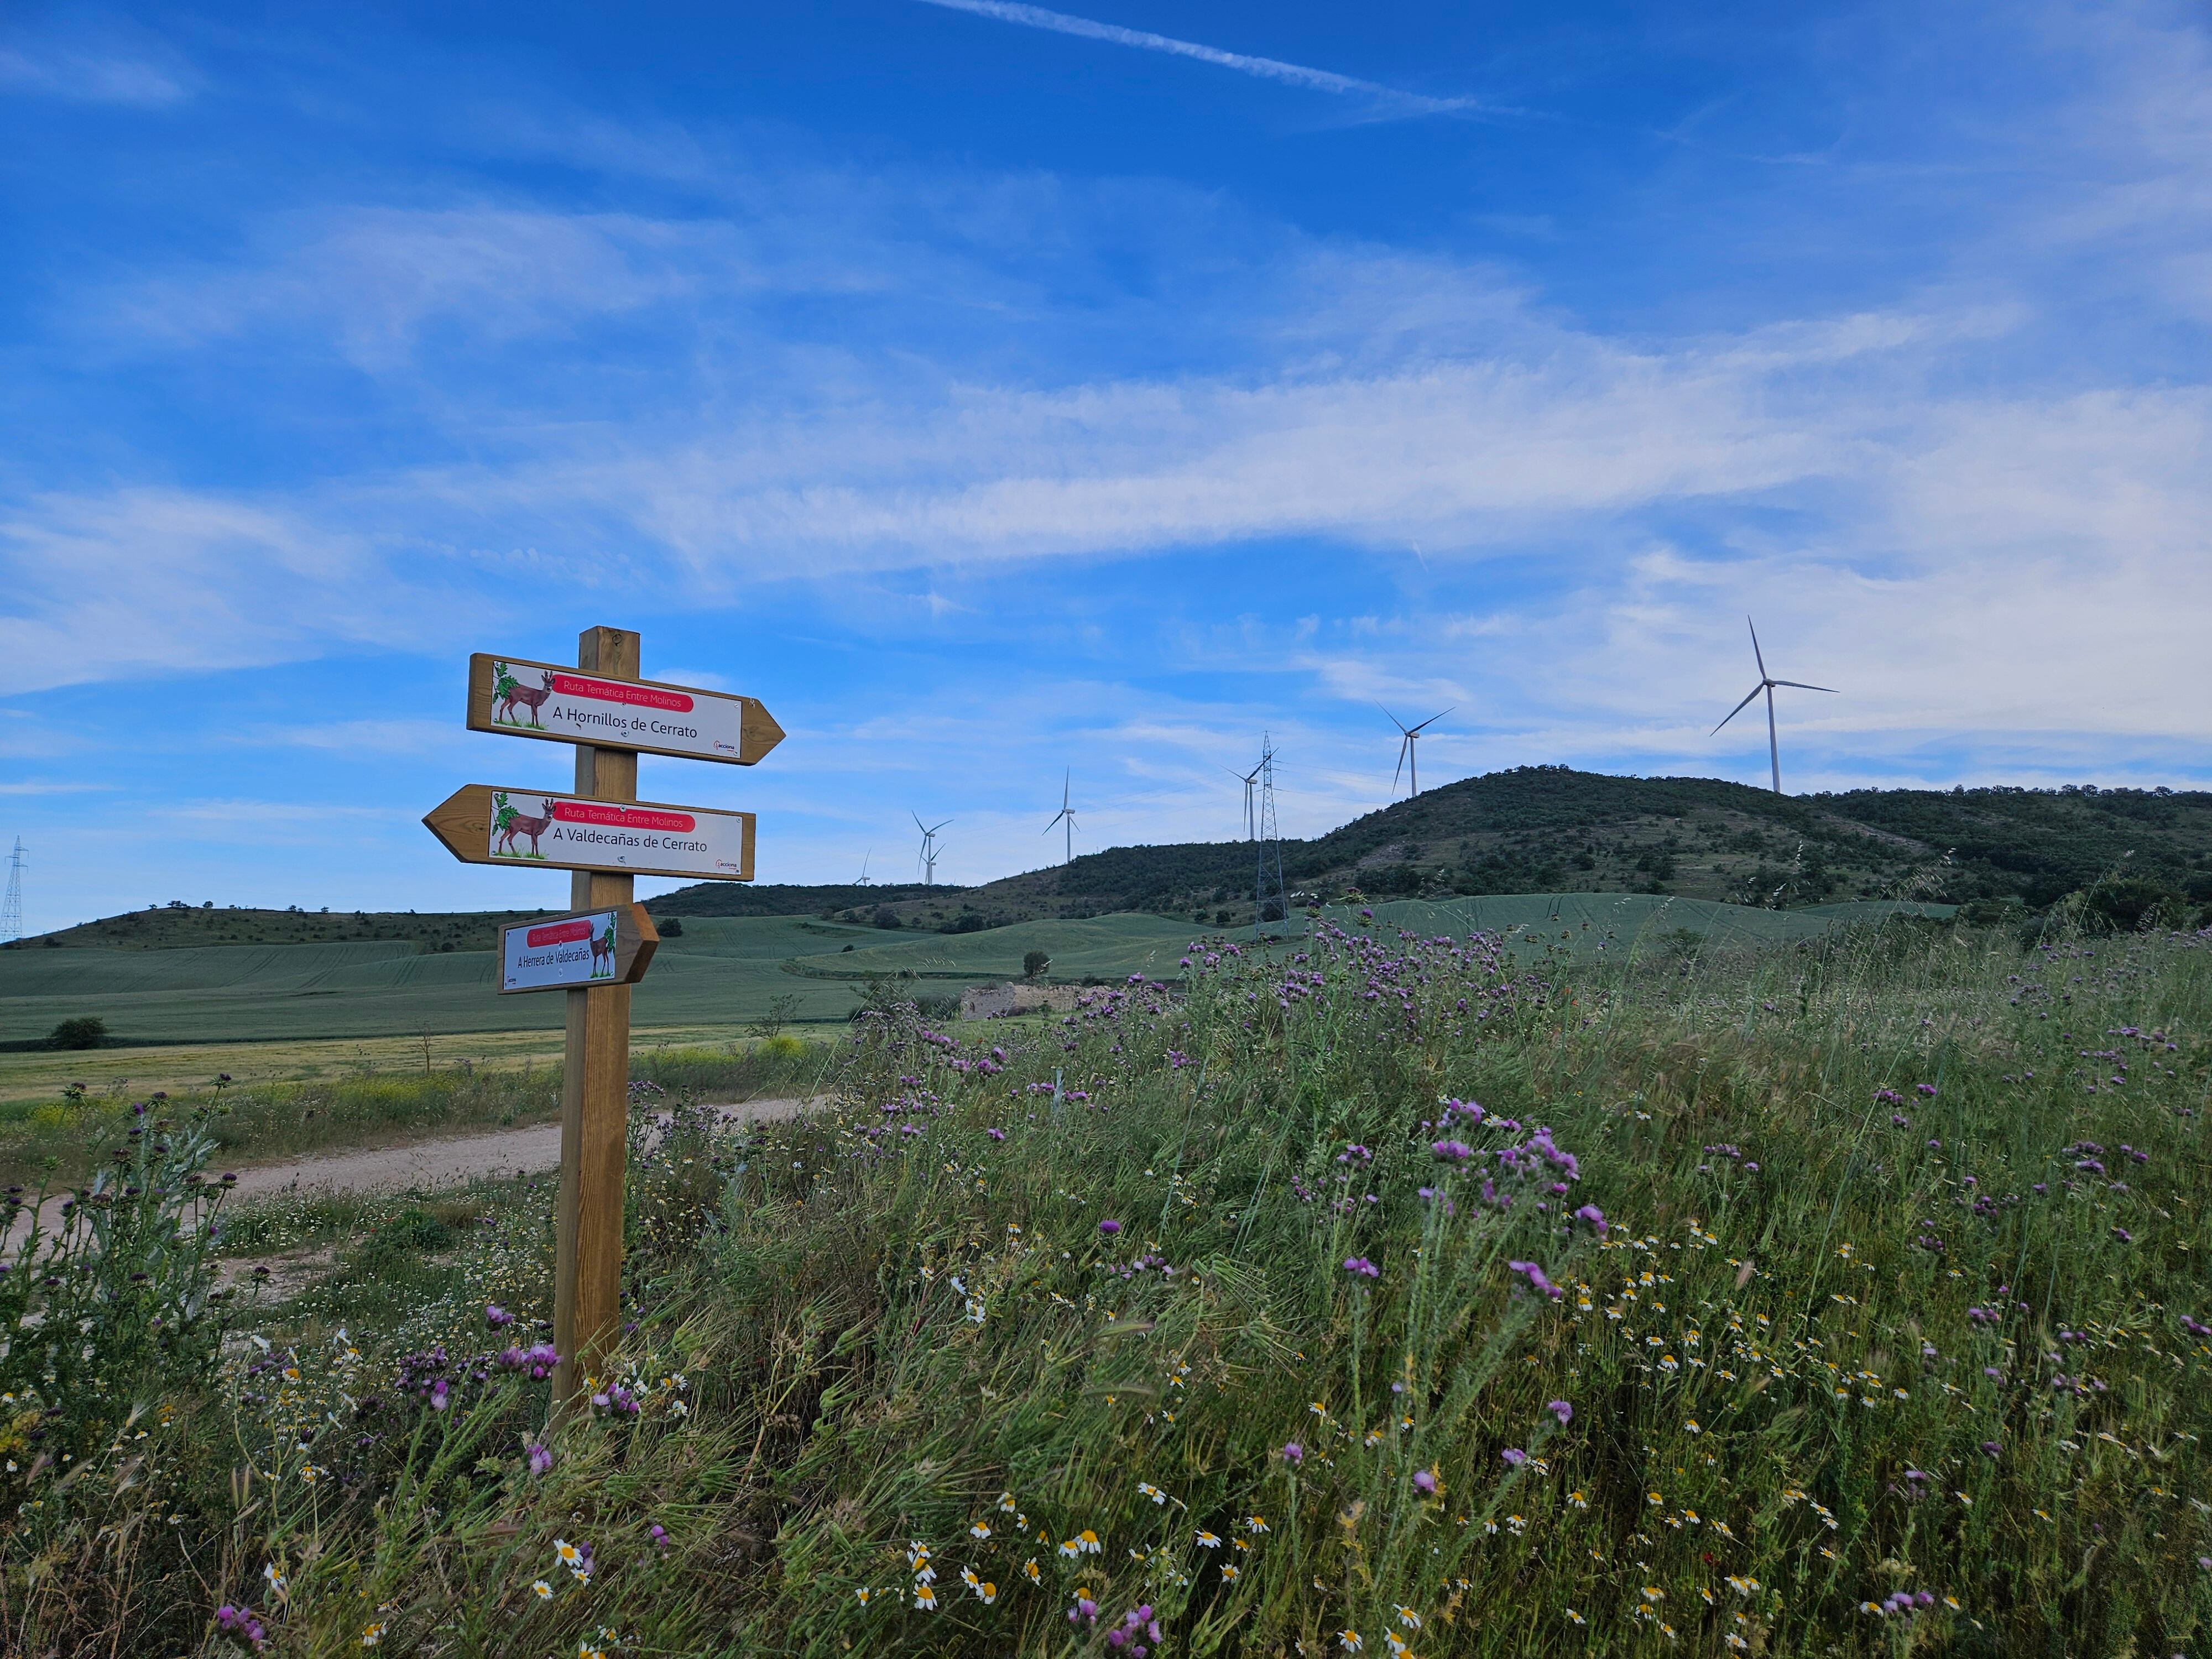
525, 699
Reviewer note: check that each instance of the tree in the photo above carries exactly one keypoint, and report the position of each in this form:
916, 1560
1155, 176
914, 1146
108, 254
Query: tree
1035, 964
82, 1032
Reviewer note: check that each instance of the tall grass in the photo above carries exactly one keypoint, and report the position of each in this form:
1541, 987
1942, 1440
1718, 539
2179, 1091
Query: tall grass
1878, 1329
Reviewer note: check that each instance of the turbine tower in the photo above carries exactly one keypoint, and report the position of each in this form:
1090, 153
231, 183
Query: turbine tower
11, 918
863, 881
1267, 890
930, 848
1066, 815
1409, 760
1249, 780
1766, 683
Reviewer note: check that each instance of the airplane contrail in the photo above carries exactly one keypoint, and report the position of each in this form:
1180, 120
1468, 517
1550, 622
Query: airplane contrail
1267, 68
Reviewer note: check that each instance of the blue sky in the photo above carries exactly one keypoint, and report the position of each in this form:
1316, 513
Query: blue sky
994, 390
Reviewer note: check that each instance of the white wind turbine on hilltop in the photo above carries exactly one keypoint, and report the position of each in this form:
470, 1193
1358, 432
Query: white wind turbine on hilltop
1766, 683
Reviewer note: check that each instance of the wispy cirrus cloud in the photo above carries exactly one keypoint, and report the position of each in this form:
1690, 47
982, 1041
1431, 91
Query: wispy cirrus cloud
110, 63
1266, 69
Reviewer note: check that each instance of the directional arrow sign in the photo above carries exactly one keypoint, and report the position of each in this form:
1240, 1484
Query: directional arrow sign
526, 699
586, 948
483, 823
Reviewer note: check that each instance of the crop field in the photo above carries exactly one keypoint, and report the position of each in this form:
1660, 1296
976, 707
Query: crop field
720, 974
1838, 1296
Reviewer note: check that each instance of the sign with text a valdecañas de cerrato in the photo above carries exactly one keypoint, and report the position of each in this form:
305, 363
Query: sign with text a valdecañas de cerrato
483, 823
522, 699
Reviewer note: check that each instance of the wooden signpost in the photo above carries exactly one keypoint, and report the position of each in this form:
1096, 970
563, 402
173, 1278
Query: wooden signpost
607, 836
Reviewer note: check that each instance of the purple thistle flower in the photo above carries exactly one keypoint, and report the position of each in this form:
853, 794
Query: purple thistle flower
1360, 1267
1109, 1228
1293, 1452
1564, 1412
496, 1316
1425, 1481
1595, 1216
540, 1456
1537, 1281
1513, 1457
1452, 1151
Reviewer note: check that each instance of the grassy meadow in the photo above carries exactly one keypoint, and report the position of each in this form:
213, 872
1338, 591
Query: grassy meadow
1391, 1295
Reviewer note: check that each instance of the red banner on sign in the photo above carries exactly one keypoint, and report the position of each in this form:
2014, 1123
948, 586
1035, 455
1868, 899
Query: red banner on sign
642, 697
626, 818
561, 932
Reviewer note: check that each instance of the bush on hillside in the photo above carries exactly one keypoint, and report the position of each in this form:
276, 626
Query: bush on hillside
85, 1031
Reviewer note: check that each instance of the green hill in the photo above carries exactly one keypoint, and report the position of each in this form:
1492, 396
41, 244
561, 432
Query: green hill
1543, 829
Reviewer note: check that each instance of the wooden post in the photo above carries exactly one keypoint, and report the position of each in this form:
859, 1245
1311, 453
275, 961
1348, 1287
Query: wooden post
594, 1083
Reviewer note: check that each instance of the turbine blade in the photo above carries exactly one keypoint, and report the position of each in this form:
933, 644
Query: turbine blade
1393, 718
1433, 719
1401, 771
1741, 707
1754, 649
1802, 686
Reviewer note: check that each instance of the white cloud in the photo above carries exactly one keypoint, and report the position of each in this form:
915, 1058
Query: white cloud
94, 74
1266, 69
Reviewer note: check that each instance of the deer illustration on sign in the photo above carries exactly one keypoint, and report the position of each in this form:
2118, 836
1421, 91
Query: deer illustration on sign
603, 951
508, 821
508, 691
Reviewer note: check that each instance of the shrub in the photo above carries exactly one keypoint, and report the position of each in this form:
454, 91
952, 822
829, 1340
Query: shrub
85, 1031
1034, 962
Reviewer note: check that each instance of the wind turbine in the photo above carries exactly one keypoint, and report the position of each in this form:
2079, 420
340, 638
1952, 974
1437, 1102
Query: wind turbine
1409, 760
930, 850
863, 881
1250, 780
1766, 683
1066, 815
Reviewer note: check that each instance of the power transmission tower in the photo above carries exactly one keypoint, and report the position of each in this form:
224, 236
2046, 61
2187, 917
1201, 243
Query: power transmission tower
1267, 892
11, 917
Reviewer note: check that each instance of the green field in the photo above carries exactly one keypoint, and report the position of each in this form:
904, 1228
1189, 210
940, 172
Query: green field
725, 971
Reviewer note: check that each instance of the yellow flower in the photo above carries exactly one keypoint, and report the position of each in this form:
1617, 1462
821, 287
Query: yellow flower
1029, 1567
1578, 1500
569, 1554
1255, 1523
988, 1591
1577, 1617
1087, 1541
863, 1595
1006, 1502
1228, 1571
1409, 1619
1207, 1541
979, 1532
925, 1599
542, 1590
1147, 1488
1653, 1593
1349, 1640
371, 1635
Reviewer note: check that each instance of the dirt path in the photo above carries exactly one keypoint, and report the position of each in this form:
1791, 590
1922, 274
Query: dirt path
443, 1161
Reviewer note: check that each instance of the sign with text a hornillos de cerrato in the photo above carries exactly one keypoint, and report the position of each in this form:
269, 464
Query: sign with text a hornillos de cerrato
483, 823
544, 700
610, 946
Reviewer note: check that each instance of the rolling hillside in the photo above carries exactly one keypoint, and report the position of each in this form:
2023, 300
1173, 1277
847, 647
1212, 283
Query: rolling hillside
1552, 829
